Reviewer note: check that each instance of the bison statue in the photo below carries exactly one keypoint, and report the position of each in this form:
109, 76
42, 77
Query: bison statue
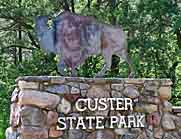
74, 38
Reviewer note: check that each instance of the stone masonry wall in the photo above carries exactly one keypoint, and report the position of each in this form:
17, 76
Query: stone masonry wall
37, 102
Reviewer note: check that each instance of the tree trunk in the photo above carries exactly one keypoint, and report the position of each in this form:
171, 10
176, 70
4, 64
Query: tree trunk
72, 5
126, 8
89, 4
20, 38
113, 7
178, 31
15, 55
20, 49
66, 5
178, 34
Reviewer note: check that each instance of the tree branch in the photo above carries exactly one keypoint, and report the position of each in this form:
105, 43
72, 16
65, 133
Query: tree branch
18, 46
33, 42
8, 27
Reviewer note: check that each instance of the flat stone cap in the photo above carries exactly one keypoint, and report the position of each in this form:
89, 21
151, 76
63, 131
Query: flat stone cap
162, 82
176, 109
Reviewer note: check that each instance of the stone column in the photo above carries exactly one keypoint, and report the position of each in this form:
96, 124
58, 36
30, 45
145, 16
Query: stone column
38, 101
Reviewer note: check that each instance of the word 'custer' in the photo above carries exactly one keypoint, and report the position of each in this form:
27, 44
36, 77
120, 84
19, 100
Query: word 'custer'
102, 104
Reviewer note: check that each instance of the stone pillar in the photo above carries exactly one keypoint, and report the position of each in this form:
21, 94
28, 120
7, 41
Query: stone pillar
38, 101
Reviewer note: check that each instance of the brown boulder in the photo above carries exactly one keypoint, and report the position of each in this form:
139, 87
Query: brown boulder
117, 87
99, 91
55, 133
167, 106
28, 85
158, 133
58, 89
102, 134
165, 92
145, 108
38, 98
75, 134
28, 132
131, 92
15, 115
33, 116
154, 119
64, 106
168, 123
72, 97
52, 118
150, 99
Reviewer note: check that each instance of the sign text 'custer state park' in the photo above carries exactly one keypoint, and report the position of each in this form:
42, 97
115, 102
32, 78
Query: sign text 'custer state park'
101, 122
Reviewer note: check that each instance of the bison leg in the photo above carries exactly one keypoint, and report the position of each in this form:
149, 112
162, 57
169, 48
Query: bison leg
73, 72
61, 67
124, 55
107, 55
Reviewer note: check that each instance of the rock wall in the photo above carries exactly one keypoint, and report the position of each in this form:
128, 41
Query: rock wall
37, 102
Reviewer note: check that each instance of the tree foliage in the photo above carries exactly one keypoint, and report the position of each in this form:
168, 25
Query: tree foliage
154, 37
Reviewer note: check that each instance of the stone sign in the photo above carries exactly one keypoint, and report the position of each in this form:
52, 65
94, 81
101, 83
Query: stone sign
38, 103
